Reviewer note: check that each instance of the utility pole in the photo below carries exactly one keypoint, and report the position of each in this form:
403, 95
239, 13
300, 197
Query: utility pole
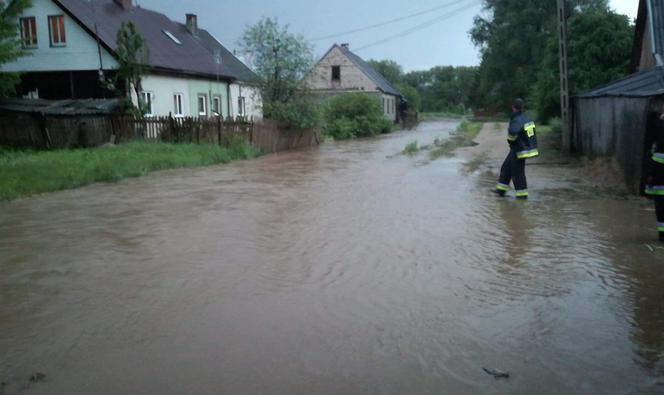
564, 86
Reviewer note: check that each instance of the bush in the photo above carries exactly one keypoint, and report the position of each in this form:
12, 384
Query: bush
302, 112
355, 115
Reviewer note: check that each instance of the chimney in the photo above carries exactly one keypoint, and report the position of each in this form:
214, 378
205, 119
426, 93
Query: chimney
344, 45
125, 4
192, 24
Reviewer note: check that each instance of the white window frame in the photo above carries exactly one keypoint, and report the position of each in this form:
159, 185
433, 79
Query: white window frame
241, 106
51, 34
148, 97
205, 104
28, 40
178, 104
216, 99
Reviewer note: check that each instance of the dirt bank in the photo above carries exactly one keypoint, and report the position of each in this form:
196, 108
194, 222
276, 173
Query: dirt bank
553, 169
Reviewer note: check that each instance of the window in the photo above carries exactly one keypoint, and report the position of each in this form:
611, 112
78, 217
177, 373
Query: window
28, 32
216, 105
202, 105
336, 73
172, 37
56, 30
148, 99
177, 105
241, 109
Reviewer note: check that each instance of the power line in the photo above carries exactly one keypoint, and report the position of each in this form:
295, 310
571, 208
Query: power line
399, 19
420, 26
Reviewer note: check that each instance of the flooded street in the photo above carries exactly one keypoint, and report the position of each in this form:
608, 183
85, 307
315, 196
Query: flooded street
344, 269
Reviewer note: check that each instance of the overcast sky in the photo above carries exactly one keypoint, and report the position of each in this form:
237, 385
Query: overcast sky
438, 35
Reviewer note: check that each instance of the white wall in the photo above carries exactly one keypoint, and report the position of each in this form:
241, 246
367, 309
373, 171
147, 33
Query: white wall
81, 52
252, 100
389, 103
163, 89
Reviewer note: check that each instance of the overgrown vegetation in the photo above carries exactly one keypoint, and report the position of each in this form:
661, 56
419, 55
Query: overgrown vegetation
411, 148
353, 115
463, 137
10, 43
280, 60
519, 46
132, 55
445, 89
27, 172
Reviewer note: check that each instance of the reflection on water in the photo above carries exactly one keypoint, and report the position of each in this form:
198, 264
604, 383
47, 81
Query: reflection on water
342, 269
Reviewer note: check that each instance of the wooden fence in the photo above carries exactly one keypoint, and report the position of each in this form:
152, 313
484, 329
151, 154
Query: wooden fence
32, 130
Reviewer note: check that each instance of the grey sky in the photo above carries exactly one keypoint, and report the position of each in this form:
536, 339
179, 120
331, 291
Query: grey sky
439, 37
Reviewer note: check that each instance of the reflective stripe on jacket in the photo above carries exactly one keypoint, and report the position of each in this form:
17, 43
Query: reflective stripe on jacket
522, 137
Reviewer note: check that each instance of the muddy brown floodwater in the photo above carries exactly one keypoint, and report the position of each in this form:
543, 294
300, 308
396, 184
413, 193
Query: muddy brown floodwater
337, 270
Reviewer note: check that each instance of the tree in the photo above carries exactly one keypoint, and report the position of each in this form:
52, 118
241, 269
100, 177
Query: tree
391, 70
10, 44
132, 56
518, 44
599, 51
280, 60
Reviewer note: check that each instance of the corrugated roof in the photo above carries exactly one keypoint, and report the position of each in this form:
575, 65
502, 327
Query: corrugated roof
189, 57
645, 83
380, 81
61, 107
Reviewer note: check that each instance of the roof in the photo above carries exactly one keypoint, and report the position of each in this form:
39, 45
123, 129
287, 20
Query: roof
380, 81
645, 83
61, 107
190, 57
230, 61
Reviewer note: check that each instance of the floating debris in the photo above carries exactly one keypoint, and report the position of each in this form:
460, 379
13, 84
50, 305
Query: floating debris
498, 374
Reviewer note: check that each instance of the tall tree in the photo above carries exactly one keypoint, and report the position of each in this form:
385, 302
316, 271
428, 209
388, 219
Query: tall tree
517, 41
599, 51
10, 44
132, 56
279, 58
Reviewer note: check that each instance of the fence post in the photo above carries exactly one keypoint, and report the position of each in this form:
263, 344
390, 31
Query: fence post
219, 130
171, 126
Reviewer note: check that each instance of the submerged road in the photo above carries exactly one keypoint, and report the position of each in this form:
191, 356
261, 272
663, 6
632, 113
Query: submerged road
344, 269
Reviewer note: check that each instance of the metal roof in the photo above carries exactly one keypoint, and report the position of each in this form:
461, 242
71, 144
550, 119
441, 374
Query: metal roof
366, 68
645, 83
61, 107
188, 57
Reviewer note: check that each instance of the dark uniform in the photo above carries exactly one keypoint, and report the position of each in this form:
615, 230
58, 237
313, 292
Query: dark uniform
655, 187
523, 145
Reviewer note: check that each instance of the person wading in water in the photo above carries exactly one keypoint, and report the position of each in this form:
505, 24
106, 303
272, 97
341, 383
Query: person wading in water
522, 140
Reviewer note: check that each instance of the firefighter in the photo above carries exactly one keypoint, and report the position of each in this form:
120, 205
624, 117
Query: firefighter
655, 184
523, 145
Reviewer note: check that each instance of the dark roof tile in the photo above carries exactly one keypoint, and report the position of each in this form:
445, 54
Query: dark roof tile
645, 83
189, 57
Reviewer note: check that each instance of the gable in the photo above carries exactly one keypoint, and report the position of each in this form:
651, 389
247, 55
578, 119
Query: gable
352, 78
81, 51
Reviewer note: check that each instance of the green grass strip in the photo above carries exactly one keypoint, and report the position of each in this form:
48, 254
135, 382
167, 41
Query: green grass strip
27, 172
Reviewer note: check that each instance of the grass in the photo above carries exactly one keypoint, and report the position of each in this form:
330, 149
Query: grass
411, 148
464, 136
28, 172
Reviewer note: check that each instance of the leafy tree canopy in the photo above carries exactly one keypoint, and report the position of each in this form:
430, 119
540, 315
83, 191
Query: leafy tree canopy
10, 45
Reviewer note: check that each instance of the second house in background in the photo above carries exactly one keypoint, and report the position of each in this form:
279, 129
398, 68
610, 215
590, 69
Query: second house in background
190, 73
342, 71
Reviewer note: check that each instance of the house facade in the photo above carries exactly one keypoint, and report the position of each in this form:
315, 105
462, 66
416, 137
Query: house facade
342, 71
71, 46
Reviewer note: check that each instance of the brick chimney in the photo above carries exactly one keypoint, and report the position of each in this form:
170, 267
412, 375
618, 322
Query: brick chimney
344, 45
125, 4
192, 24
